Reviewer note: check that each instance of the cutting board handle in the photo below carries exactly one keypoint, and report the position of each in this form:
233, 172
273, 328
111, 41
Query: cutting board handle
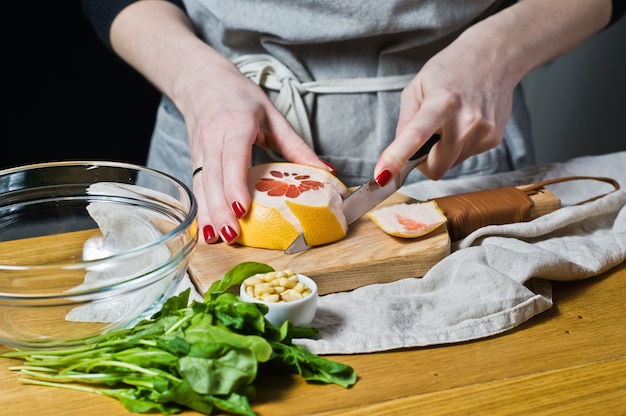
529, 189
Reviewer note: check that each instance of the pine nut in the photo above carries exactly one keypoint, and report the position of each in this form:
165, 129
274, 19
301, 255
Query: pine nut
277, 286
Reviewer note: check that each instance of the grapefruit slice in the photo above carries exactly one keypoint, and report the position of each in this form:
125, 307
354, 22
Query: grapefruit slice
289, 199
408, 220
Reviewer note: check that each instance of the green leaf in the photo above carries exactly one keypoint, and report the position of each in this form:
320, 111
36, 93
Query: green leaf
184, 395
147, 357
245, 317
176, 345
174, 304
224, 370
203, 332
287, 331
313, 367
139, 401
233, 403
237, 275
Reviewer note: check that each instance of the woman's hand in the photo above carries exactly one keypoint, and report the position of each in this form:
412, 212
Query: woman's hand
464, 92
225, 113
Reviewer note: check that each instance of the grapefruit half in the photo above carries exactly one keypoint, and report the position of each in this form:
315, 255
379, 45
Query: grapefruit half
289, 199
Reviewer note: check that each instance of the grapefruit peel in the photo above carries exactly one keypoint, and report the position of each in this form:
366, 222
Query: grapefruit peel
288, 199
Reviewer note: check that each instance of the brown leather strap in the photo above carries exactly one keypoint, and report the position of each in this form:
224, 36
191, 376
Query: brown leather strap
473, 210
542, 184
470, 211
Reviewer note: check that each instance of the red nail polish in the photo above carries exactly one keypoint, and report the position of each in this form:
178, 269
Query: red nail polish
228, 233
238, 209
333, 170
383, 177
208, 232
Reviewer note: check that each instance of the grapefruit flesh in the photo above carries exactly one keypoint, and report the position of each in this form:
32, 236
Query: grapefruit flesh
289, 199
408, 220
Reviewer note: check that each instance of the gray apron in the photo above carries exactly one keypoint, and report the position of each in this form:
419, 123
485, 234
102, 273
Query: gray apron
336, 69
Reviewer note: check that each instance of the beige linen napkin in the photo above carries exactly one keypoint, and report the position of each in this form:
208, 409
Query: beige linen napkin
497, 277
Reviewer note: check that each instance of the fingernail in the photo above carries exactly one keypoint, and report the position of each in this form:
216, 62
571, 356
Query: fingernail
331, 167
383, 177
208, 232
228, 233
238, 209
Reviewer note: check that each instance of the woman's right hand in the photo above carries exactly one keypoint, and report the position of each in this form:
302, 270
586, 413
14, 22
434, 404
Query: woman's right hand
225, 113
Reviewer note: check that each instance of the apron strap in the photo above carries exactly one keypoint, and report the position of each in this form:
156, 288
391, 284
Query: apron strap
268, 72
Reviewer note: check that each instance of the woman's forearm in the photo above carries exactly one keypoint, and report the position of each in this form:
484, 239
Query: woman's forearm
158, 40
533, 32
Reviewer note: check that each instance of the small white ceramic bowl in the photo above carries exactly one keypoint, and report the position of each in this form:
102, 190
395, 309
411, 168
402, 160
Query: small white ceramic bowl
300, 312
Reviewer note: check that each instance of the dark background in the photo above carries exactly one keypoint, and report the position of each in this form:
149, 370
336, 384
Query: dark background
65, 95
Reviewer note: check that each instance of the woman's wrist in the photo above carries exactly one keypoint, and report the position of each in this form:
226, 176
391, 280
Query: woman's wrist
533, 32
155, 38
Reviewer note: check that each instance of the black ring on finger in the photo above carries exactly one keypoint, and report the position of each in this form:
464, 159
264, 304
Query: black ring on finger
196, 171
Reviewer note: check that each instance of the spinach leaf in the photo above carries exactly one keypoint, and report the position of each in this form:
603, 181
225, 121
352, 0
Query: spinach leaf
313, 367
219, 370
237, 275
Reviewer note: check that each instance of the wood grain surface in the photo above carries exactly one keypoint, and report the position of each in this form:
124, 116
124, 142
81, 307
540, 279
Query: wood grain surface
569, 361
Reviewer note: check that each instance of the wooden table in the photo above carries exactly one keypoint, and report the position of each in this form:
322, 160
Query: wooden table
570, 360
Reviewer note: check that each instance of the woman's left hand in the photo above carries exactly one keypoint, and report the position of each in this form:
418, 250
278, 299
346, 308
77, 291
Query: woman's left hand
464, 93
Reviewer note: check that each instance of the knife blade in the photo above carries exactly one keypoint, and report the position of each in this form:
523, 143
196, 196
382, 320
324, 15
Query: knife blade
370, 194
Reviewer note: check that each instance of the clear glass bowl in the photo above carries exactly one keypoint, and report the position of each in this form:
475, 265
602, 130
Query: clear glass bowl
88, 247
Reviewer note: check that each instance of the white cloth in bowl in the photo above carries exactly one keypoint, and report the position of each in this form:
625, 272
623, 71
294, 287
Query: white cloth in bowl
123, 228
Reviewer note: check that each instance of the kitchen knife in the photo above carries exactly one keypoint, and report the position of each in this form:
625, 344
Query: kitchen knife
370, 194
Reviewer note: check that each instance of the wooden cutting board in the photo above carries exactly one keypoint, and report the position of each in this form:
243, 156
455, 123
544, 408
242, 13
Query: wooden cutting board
365, 256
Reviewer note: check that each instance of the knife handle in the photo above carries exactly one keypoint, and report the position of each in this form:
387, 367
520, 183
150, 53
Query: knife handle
423, 151
416, 159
